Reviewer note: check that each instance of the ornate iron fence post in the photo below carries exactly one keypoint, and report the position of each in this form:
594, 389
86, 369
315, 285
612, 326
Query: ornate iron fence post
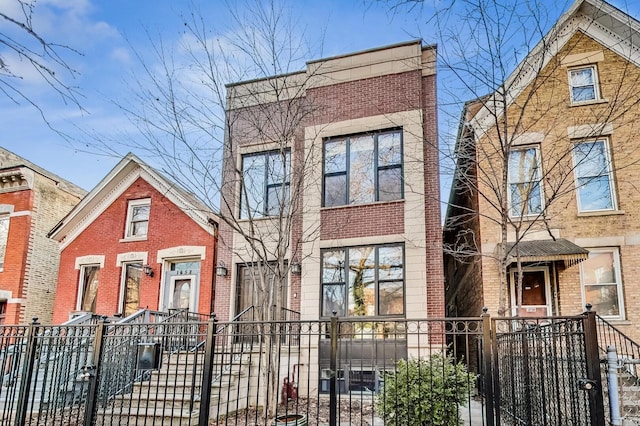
27, 373
596, 402
92, 373
207, 373
487, 367
333, 367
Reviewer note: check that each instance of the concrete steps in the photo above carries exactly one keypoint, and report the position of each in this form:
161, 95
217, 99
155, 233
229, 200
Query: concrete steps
171, 395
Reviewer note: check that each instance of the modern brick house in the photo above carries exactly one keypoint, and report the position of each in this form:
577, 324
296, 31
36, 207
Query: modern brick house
135, 241
571, 191
32, 200
360, 181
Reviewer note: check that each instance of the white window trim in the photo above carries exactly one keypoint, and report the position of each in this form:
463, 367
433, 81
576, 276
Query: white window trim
81, 287
547, 288
131, 205
596, 85
542, 200
3, 256
607, 153
616, 264
166, 258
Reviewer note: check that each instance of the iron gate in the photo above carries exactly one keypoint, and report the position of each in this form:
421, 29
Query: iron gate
544, 371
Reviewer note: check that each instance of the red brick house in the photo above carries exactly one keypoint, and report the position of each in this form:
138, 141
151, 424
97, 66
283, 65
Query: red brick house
135, 241
32, 200
380, 102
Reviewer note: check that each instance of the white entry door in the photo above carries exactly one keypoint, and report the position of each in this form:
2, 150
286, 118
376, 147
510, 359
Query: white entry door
180, 292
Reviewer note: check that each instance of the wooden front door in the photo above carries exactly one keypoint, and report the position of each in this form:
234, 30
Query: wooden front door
249, 292
536, 300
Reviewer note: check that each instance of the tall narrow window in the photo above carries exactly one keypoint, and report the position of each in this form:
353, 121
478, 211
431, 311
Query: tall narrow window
524, 177
132, 277
265, 184
363, 168
602, 283
138, 218
88, 288
583, 84
593, 176
4, 236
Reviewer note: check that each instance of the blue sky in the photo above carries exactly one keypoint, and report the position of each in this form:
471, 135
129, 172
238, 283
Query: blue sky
104, 31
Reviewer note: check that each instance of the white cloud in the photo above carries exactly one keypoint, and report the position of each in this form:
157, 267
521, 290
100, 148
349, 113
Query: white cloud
121, 54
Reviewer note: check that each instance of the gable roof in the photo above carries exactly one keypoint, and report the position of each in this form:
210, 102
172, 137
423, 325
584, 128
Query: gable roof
10, 160
113, 185
598, 19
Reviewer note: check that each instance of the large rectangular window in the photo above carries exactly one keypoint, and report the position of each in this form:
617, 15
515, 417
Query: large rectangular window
363, 169
363, 281
265, 184
525, 182
4, 236
602, 282
88, 288
594, 180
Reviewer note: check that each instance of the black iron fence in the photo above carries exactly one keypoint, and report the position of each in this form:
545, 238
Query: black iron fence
546, 371
183, 370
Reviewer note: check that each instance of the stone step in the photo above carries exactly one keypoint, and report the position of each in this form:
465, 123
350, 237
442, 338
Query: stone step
156, 416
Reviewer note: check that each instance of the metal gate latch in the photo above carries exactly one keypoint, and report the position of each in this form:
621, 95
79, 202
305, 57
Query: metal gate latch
87, 372
586, 384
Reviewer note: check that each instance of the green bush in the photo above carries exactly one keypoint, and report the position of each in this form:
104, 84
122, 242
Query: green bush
425, 392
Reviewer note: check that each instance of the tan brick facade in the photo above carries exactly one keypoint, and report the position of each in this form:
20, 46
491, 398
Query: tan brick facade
553, 123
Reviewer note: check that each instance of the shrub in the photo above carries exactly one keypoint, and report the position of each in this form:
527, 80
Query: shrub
425, 392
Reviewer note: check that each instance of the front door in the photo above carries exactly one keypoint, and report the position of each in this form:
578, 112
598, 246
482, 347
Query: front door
180, 292
535, 293
131, 288
249, 292
181, 285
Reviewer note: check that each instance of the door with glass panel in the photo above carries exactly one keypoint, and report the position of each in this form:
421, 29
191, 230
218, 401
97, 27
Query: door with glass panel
132, 276
181, 286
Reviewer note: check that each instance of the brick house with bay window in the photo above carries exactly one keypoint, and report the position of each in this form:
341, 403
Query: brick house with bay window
573, 168
32, 200
357, 177
136, 241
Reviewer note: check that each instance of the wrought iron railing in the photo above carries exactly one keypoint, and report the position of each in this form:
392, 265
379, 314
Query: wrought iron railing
626, 397
627, 348
331, 371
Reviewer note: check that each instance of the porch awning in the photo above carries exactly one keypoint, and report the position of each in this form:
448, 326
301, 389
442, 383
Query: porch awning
547, 251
